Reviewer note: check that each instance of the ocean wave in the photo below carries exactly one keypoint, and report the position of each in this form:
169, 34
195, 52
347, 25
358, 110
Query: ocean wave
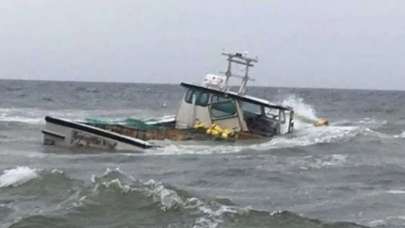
311, 136
371, 122
21, 115
305, 133
303, 137
396, 191
21, 119
395, 221
87, 89
36, 116
318, 162
402, 135
115, 199
17, 176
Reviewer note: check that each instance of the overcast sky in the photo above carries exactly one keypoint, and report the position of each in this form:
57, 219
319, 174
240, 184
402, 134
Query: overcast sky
300, 43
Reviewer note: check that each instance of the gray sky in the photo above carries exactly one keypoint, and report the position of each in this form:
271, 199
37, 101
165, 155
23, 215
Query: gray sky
300, 43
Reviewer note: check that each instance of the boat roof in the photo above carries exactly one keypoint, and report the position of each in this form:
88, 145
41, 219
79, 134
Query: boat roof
245, 98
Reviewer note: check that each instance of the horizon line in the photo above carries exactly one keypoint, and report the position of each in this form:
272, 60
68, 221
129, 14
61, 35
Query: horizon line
168, 83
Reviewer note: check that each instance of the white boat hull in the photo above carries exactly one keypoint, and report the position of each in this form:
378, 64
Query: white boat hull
61, 132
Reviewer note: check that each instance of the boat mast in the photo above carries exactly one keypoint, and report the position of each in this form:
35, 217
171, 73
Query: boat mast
239, 58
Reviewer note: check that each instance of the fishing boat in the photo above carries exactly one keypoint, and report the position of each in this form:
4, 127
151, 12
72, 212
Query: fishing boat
213, 110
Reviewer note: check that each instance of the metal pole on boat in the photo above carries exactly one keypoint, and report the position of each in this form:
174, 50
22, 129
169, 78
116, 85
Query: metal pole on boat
238, 58
242, 89
228, 72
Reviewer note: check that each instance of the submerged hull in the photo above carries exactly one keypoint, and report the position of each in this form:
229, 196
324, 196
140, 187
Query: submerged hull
112, 137
61, 132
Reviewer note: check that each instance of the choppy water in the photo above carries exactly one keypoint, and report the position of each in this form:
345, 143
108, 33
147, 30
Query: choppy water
350, 174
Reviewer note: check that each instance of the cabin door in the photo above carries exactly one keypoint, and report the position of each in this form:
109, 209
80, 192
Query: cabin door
224, 112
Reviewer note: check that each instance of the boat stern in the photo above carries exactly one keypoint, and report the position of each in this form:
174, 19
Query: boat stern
61, 132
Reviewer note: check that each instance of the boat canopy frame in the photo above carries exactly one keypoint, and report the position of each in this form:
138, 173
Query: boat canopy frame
236, 96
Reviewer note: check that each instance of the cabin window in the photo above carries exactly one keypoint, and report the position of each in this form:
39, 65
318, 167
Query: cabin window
216, 99
190, 95
226, 108
276, 114
202, 99
282, 116
250, 109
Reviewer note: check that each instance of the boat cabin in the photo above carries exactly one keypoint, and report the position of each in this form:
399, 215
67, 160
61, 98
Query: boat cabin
215, 103
232, 111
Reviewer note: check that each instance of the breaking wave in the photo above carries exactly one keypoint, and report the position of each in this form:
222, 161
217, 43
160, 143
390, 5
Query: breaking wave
115, 199
17, 176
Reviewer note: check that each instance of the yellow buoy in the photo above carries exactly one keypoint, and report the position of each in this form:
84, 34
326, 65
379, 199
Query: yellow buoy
218, 128
321, 122
199, 125
214, 133
217, 131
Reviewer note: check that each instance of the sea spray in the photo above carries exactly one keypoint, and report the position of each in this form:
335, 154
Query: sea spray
300, 106
305, 114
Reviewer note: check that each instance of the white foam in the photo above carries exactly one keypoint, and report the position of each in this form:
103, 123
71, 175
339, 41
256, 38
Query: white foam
17, 176
11, 115
117, 183
335, 159
178, 149
110, 171
310, 136
378, 222
303, 137
206, 214
402, 135
325, 161
36, 116
23, 115
166, 197
396, 191
57, 171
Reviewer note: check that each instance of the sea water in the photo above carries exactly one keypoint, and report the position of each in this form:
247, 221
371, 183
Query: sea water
348, 174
